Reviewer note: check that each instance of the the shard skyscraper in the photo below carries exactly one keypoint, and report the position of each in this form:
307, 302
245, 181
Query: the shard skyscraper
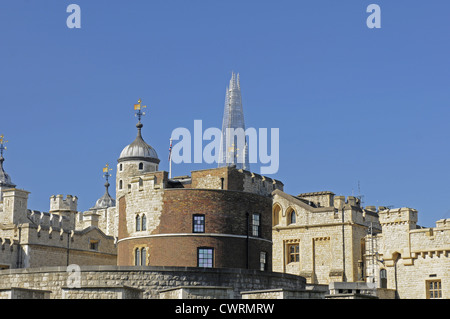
234, 146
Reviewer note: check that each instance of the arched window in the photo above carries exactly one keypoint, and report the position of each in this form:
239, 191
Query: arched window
143, 257
137, 256
120, 184
141, 166
120, 167
276, 215
138, 223
144, 222
292, 217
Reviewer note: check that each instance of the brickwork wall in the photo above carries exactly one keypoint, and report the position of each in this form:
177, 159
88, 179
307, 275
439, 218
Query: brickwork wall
225, 230
182, 251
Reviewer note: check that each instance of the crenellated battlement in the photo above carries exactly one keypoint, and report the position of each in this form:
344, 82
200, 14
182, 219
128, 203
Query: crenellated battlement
341, 201
256, 183
46, 220
404, 216
6, 243
8, 251
61, 204
319, 199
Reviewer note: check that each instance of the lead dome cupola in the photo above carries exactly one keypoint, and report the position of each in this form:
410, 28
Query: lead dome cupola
139, 150
106, 200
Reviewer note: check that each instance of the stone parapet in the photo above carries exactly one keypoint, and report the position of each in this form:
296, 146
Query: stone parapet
151, 280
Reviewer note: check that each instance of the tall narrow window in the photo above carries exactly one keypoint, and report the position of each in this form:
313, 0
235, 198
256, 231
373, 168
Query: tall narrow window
256, 225
198, 223
141, 166
143, 257
263, 261
276, 215
144, 222
383, 278
138, 223
293, 217
120, 184
205, 257
137, 258
222, 180
120, 167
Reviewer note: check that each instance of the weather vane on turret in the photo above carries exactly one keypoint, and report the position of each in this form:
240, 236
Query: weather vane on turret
138, 108
2, 144
106, 170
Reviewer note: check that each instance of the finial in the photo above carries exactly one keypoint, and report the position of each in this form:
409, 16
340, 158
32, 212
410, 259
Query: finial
138, 108
2, 145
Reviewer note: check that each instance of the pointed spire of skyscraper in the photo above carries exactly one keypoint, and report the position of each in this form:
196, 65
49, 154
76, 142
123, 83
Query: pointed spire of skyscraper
233, 149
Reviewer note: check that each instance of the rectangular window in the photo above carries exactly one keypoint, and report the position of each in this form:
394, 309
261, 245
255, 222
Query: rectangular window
93, 244
434, 289
198, 224
205, 257
293, 253
263, 261
256, 225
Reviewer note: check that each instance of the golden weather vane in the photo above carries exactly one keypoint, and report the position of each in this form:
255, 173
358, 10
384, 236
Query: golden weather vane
106, 170
138, 108
2, 144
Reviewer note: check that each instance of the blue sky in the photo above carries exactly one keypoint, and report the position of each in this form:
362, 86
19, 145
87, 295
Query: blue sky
353, 104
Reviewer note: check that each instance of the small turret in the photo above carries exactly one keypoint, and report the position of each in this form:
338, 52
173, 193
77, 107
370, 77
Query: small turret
65, 207
136, 158
60, 204
400, 216
15, 206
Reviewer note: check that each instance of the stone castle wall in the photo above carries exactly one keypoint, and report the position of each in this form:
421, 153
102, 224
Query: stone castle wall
410, 257
150, 280
229, 178
322, 234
